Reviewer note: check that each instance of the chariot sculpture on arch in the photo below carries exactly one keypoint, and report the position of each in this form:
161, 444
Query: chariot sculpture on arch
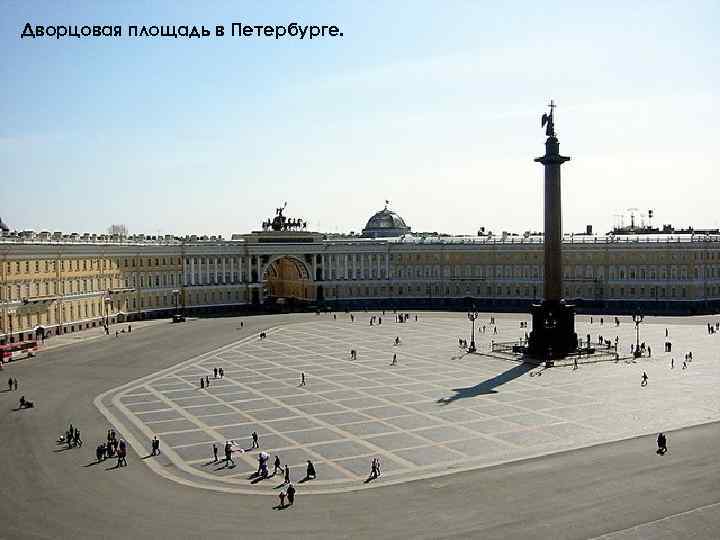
282, 223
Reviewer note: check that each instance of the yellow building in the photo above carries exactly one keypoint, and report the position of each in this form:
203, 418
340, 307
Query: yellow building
55, 283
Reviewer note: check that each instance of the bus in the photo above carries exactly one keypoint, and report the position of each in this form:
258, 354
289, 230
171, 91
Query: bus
16, 351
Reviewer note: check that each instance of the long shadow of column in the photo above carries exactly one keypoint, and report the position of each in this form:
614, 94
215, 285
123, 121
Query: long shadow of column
487, 387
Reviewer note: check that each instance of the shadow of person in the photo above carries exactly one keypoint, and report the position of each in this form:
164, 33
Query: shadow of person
303, 480
117, 466
281, 507
370, 479
488, 386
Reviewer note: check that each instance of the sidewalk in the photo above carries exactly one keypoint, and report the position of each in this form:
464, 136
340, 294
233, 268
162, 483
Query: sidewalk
94, 333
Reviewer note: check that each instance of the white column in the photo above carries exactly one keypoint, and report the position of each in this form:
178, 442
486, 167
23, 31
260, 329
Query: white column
192, 270
249, 269
362, 266
314, 276
232, 269
346, 266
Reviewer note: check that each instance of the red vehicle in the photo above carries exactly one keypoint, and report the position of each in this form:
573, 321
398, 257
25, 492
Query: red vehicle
15, 351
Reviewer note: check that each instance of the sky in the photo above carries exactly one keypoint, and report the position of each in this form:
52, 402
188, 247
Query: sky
432, 105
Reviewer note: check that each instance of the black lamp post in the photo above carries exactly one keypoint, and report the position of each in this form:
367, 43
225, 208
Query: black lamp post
637, 319
471, 317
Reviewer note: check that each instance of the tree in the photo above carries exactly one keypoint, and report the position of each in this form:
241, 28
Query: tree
118, 229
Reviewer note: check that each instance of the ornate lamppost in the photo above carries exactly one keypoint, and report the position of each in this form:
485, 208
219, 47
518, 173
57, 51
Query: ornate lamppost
637, 319
472, 316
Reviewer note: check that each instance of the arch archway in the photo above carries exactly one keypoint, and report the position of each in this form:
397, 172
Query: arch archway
288, 278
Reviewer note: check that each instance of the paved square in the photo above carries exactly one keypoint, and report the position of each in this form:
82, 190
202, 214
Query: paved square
437, 411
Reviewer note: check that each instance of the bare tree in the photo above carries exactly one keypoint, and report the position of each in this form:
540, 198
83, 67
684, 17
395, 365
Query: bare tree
118, 229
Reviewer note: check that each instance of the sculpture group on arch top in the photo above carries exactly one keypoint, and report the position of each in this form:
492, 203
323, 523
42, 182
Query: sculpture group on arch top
283, 223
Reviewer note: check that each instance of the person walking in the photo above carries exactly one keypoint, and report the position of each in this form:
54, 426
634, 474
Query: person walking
207, 381
255, 443
662, 443
310, 473
287, 475
202, 383
15, 384
215, 373
302, 378
10, 384
282, 499
155, 446
228, 454
291, 494
277, 465
672, 363
215, 452
644, 379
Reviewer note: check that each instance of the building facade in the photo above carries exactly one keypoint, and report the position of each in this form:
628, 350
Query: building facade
55, 283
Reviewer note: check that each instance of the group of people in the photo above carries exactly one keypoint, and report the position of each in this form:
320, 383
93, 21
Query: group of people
114, 447
12, 384
71, 437
205, 381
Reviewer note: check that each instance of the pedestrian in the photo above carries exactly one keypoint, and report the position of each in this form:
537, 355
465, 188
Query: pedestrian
10, 384
310, 474
291, 494
129, 328
122, 453
202, 383
684, 364
222, 372
575, 364
77, 439
302, 378
495, 330
241, 324
215, 372
394, 360
155, 447
207, 381
215, 451
373, 469
255, 443
666, 332
15, 384
282, 499
228, 454
644, 379
672, 363
277, 465
662, 443
649, 352
287, 475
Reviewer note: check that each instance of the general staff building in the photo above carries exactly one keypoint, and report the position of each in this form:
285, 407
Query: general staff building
54, 283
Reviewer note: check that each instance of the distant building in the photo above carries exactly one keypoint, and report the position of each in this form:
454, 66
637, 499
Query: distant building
53, 283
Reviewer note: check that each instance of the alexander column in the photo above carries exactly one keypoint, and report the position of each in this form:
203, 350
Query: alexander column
553, 334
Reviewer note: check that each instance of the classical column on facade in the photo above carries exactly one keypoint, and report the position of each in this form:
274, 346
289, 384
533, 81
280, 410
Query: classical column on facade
192, 270
322, 267
362, 266
314, 260
387, 266
553, 334
232, 269
346, 266
249, 269
259, 269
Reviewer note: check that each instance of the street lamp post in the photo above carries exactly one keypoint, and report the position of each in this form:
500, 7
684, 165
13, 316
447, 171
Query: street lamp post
472, 316
637, 319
